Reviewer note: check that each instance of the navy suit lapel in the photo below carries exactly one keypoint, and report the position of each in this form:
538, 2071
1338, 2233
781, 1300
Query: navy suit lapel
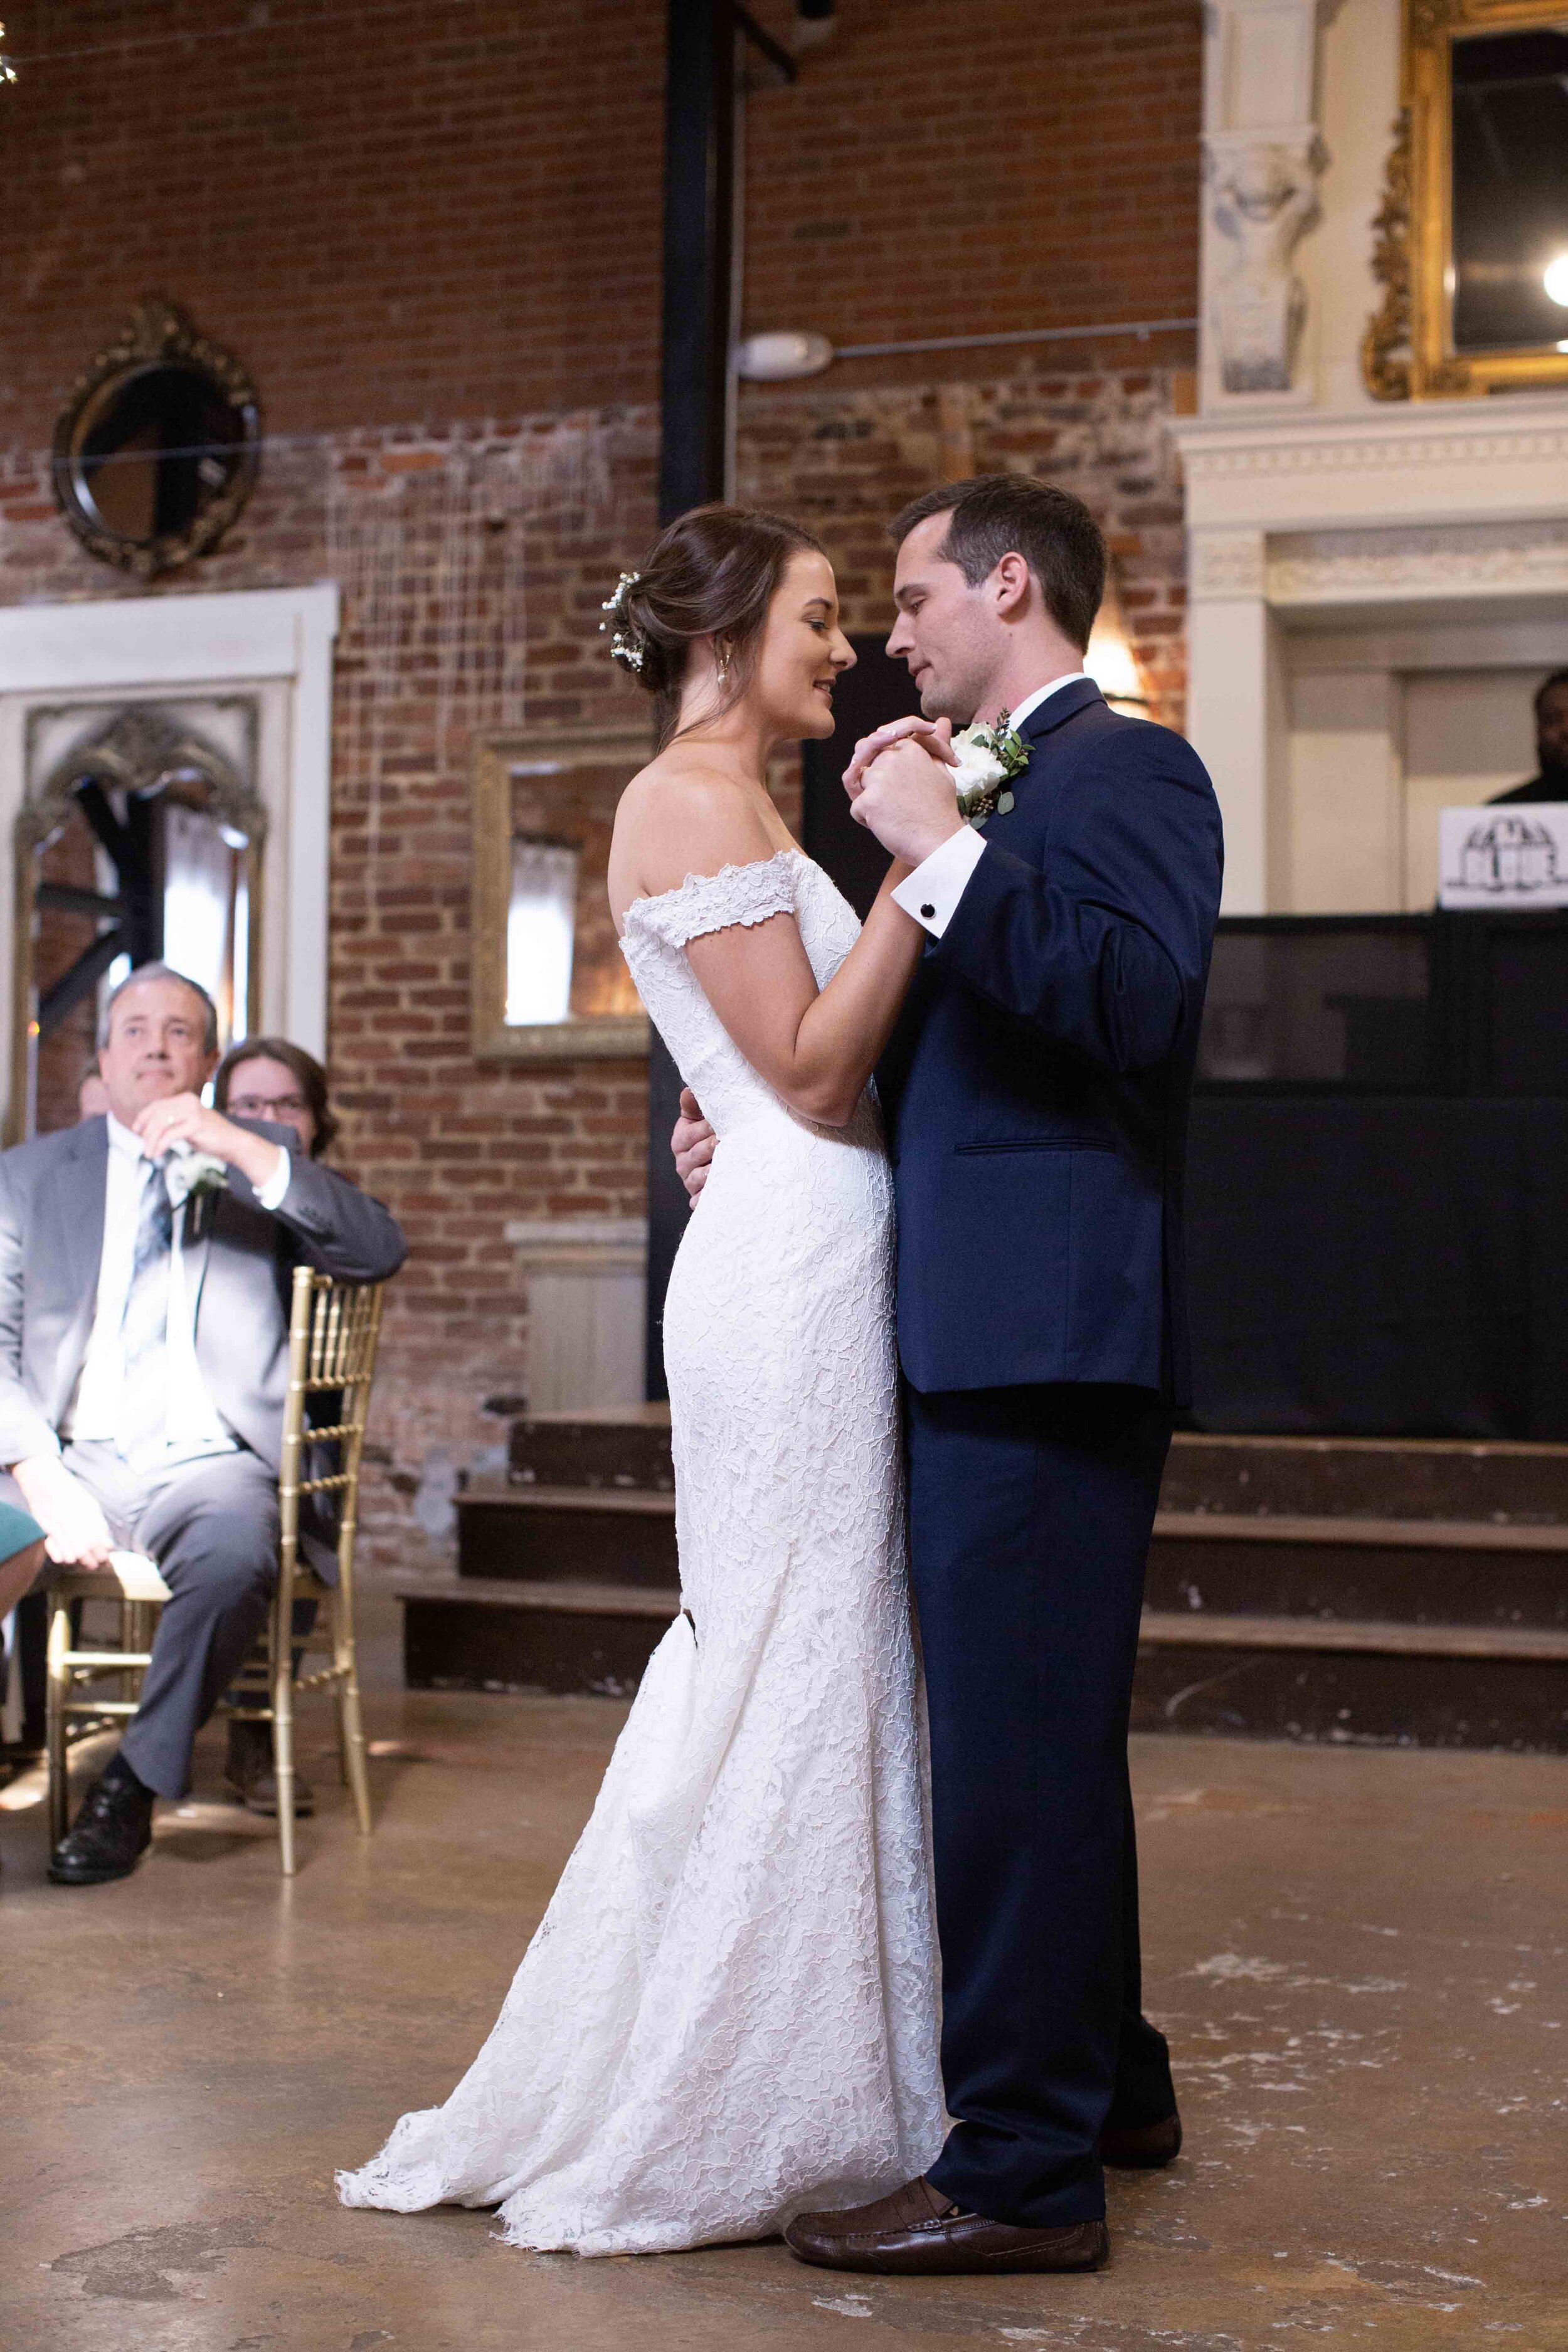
1037, 731
1057, 708
1018, 824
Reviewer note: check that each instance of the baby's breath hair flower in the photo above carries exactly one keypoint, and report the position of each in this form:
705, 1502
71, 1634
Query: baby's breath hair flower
625, 644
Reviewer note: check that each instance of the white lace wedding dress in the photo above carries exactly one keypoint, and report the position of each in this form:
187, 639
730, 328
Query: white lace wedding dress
728, 2011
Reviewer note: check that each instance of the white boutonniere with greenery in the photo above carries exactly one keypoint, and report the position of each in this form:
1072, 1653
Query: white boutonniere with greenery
191, 1175
989, 759
192, 1179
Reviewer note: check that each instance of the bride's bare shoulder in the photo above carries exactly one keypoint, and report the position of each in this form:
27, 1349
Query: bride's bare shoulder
678, 817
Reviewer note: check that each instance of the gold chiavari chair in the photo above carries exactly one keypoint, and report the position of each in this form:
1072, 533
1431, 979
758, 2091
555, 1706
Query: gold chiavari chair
333, 1329
136, 1584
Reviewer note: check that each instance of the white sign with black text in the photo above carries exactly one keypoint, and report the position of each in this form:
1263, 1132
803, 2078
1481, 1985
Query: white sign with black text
1508, 855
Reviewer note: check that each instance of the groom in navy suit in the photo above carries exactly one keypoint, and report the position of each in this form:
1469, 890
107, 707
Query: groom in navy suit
1035, 1094
1035, 1097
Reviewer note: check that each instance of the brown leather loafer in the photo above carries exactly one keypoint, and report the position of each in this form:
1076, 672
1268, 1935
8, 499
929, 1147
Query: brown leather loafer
1142, 2147
918, 2231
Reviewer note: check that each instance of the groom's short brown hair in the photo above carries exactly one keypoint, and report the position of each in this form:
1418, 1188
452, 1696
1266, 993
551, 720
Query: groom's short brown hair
994, 515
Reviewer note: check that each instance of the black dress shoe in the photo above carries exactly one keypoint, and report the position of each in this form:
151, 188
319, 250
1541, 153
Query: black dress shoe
919, 2232
109, 1836
1142, 2147
249, 1772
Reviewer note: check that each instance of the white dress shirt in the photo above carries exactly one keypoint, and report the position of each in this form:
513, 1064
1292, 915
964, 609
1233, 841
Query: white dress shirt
193, 1426
932, 892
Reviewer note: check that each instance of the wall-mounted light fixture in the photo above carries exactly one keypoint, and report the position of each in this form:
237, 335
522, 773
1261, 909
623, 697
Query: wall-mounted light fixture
782, 357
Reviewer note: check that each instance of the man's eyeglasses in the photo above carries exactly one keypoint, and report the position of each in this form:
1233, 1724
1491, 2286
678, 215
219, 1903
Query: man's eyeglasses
266, 1106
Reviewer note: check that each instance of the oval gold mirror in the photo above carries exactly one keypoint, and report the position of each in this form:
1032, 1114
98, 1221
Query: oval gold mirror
158, 449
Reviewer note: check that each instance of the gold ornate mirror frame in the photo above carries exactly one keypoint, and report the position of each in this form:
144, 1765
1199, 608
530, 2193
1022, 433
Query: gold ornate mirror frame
1408, 350
552, 791
115, 419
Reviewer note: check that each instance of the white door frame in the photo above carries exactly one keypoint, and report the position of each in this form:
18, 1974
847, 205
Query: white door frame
141, 645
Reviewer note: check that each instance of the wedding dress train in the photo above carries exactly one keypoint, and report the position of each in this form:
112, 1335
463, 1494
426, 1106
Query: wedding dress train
728, 2012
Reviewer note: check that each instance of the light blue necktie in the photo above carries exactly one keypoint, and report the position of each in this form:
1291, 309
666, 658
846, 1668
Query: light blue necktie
144, 1327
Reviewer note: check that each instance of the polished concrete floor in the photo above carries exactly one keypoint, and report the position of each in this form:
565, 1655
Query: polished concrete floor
1360, 1958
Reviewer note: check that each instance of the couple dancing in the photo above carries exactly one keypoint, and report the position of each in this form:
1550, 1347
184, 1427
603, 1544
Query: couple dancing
729, 2022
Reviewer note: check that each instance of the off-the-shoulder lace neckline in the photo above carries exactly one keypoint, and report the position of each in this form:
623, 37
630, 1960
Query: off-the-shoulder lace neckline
751, 866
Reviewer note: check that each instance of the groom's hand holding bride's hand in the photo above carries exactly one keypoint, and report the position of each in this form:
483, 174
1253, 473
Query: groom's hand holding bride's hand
900, 788
693, 1143
935, 734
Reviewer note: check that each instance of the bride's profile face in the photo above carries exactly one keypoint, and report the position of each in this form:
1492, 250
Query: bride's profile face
804, 650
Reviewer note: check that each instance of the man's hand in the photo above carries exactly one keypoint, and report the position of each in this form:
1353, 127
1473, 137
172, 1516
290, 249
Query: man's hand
76, 1532
186, 1119
935, 734
905, 796
693, 1143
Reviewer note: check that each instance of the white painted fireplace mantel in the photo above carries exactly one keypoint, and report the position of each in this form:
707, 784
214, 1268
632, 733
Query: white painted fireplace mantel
1377, 587
1361, 551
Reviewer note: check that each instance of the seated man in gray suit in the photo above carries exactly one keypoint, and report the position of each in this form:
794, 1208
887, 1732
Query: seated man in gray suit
143, 1360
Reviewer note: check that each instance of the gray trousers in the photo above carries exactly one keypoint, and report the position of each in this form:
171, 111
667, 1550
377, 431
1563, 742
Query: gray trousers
211, 1527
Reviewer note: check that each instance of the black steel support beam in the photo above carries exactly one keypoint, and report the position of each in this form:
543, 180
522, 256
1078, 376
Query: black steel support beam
135, 851
82, 976
66, 899
699, 198
699, 212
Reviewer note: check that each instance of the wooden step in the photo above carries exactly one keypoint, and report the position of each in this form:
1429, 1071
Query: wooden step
1494, 1481
496, 1634
1413, 1570
1439, 1535
1164, 1627
510, 1593
1234, 1563
1366, 1589
1212, 1526
612, 1502
1250, 1675
626, 1446
1203, 1629
1375, 1477
548, 1534
1372, 1697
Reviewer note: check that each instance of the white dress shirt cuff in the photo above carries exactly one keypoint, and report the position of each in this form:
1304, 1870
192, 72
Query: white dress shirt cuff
932, 893
270, 1195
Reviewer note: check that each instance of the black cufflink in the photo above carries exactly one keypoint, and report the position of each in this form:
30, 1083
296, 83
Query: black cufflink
928, 910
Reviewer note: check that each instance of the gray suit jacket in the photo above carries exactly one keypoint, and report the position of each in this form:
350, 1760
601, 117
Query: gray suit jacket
52, 1195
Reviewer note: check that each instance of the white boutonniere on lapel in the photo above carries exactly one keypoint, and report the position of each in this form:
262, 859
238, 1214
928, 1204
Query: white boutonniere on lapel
989, 759
193, 1178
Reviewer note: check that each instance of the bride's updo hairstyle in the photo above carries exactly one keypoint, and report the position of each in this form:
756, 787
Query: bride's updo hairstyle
712, 573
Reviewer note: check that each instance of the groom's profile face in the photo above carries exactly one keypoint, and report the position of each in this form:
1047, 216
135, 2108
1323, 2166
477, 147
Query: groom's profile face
947, 632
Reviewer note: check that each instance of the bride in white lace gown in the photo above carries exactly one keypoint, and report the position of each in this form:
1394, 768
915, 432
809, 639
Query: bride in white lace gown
728, 2011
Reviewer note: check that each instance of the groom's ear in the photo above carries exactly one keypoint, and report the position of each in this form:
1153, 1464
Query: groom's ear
1012, 581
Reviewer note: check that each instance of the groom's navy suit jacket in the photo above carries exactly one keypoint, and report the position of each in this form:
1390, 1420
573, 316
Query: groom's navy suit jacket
1036, 1088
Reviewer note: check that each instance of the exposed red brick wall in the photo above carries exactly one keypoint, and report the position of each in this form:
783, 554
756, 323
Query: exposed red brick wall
409, 223
846, 460
392, 211
950, 167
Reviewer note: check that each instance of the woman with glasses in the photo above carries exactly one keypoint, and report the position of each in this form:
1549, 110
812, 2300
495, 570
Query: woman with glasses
267, 1077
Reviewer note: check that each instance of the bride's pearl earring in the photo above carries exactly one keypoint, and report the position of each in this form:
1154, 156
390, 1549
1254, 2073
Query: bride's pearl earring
723, 668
